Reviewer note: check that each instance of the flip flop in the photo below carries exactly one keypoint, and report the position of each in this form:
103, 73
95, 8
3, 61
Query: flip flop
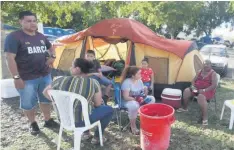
205, 122
182, 110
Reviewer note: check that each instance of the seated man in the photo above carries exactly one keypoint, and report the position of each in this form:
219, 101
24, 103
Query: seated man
203, 86
95, 73
89, 88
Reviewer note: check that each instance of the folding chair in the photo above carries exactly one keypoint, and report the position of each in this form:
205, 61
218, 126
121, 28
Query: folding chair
217, 85
65, 102
119, 106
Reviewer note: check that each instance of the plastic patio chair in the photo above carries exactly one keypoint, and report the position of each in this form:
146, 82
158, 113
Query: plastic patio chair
217, 85
64, 102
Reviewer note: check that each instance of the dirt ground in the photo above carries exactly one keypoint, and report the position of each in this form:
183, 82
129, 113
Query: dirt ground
186, 133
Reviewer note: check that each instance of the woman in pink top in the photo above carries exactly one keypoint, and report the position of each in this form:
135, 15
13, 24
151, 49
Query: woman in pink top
203, 86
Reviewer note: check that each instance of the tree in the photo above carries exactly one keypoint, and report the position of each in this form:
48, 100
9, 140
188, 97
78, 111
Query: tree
210, 15
59, 13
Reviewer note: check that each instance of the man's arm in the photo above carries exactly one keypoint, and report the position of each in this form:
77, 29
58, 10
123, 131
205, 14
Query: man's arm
45, 92
195, 78
152, 80
213, 82
97, 98
10, 58
11, 63
52, 50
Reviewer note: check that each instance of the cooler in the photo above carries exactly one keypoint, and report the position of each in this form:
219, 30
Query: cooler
172, 97
8, 89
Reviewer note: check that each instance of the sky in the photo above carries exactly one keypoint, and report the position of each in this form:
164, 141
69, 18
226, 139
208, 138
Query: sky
225, 31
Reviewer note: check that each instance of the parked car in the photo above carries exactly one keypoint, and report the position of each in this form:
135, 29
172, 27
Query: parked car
218, 56
227, 43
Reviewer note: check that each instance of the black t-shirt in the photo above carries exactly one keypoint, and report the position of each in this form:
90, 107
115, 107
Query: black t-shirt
30, 53
96, 66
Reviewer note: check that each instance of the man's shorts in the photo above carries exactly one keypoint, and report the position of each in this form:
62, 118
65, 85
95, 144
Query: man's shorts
32, 92
103, 80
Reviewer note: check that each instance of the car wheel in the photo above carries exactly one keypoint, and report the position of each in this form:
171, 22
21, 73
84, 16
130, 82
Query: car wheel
225, 70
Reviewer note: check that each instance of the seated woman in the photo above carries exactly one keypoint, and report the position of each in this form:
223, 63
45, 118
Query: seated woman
89, 88
132, 89
203, 86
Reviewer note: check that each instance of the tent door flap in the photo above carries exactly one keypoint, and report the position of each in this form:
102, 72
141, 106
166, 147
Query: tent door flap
160, 68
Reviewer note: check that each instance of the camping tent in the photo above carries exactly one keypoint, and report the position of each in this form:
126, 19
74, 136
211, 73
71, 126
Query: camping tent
174, 62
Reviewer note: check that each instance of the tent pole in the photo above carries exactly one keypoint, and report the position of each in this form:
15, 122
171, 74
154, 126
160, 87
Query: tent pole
83, 49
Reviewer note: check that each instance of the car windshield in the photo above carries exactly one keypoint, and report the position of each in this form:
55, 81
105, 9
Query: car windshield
217, 51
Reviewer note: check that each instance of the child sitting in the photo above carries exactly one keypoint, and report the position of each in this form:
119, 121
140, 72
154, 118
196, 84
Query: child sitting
96, 73
147, 75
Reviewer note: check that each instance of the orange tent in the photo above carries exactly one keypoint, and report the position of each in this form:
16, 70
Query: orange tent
174, 62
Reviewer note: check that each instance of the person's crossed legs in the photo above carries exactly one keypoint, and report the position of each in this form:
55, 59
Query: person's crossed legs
201, 99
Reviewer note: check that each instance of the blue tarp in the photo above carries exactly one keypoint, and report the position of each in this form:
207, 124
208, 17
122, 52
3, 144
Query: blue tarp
8, 27
47, 30
206, 39
58, 31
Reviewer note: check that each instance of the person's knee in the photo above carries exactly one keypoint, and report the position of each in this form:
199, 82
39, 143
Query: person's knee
201, 99
107, 109
134, 106
152, 99
187, 91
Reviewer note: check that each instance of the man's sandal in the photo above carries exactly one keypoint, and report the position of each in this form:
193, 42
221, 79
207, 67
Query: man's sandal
205, 122
182, 110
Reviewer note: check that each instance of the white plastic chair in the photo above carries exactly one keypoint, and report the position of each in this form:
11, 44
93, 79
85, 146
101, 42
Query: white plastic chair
230, 104
65, 102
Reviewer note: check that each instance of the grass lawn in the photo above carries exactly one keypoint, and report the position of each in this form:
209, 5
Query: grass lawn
186, 133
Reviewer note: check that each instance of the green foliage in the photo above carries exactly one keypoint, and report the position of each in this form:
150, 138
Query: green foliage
201, 16
209, 16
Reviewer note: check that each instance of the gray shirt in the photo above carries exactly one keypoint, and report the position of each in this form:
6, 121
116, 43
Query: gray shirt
134, 89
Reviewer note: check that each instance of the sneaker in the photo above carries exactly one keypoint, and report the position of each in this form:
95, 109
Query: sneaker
51, 123
34, 128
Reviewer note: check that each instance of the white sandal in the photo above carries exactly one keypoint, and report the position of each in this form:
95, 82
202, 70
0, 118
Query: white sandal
182, 110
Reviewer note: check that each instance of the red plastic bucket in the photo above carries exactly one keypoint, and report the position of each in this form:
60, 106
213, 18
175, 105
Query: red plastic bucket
155, 121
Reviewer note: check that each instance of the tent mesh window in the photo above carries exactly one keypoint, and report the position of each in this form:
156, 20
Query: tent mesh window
110, 51
66, 60
197, 63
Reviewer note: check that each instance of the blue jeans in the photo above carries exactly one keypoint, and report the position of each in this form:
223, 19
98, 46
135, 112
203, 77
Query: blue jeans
103, 113
32, 92
103, 80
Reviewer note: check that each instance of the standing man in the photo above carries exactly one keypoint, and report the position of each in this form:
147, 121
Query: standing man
29, 56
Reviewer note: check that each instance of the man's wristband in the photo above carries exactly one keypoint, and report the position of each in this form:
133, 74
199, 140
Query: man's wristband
53, 56
16, 77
